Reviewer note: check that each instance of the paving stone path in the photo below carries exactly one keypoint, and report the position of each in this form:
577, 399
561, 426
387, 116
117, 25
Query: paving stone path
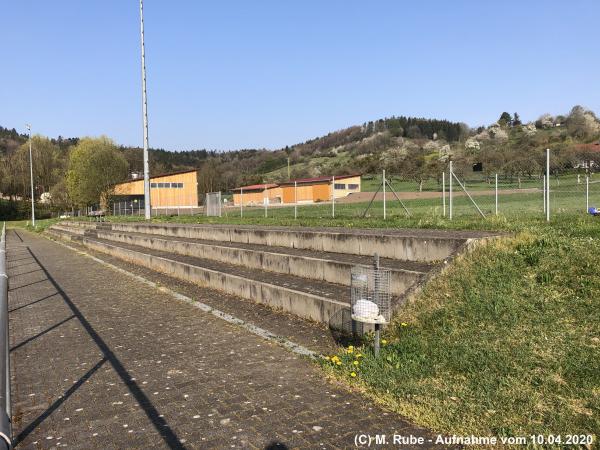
99, 360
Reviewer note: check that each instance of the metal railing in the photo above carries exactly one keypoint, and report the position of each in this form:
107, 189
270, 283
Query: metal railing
5, 412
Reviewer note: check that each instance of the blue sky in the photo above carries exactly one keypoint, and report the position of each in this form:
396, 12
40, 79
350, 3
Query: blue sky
241, 74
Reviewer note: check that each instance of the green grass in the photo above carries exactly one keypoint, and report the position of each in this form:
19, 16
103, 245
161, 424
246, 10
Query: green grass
40, 225
505, 342
517, 212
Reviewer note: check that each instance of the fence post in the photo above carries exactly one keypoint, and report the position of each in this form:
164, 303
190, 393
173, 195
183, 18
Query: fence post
444, 194
496, 192
384, 204
450, 190
333, 196
295, 199
587, 193
547, 185
544, 191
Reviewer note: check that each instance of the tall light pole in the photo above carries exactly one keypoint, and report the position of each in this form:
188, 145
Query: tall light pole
31, 178
147, 206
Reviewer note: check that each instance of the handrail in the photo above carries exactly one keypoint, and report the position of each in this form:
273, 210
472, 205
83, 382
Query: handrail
5, 411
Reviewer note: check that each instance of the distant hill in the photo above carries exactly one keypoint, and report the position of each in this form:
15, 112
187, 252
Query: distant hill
416, 147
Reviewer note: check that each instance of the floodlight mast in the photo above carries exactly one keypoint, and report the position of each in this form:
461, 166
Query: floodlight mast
147, 206
31, 179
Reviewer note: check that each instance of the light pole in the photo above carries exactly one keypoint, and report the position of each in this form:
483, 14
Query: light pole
147, 212
31, 178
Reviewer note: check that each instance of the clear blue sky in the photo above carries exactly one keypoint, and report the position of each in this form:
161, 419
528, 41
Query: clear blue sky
242, 74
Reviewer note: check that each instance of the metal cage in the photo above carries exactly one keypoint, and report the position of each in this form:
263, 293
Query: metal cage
370, 294
213, 204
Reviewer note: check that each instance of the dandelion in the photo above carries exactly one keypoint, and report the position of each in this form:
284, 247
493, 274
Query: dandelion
356, 363
358, 355
404, 324
328, 358
350, 350
383, 341
352, 374
338, 362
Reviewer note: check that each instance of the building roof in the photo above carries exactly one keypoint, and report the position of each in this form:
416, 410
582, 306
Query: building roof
256, 187
319, 179
160, 176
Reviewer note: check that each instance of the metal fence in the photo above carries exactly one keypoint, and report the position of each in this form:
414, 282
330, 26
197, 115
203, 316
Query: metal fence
450, 193
5, 414
213, 204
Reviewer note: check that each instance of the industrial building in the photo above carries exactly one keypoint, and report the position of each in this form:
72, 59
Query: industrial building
175, 189
302, 190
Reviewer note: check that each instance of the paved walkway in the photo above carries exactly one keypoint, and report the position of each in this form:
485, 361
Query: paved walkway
100, 360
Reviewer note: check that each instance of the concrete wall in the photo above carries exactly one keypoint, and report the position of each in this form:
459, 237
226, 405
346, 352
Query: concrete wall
302, 304
307, 267
395, 246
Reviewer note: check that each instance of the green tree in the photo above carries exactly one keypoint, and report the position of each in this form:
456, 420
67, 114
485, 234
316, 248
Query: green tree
516, 120
505, 119
95, 165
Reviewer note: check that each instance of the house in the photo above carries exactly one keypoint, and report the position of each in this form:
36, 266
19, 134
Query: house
302, 190
175, 189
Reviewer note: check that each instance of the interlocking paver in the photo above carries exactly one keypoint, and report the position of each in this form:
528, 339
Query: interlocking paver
100, 360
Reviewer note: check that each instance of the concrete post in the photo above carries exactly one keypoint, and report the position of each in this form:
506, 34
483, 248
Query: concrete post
384, 203
333, 196
444, 194
450, 190
496, 192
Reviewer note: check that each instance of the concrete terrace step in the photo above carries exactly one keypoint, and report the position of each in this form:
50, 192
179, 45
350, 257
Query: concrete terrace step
403, 244
310, 299
311, 264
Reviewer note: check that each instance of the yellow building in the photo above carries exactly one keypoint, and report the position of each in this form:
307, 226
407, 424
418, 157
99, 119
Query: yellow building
257, 194
176, 189
303, 190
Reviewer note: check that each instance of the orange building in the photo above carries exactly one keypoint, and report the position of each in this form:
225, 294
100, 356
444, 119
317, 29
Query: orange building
257, 194
176, 189
303, 190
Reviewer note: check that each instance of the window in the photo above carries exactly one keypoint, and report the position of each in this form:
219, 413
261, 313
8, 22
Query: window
353, 186
179, 185
340, 186
161, 185
153, 185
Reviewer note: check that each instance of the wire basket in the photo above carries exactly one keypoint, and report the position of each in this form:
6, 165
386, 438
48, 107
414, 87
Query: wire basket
370, 294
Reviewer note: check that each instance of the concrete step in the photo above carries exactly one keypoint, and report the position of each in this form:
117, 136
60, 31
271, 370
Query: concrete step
314, 265
310, 299
401, 244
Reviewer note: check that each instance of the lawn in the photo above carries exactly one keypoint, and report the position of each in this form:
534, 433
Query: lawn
505, 342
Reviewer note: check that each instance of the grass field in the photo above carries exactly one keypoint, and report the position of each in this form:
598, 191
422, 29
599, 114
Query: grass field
506, 342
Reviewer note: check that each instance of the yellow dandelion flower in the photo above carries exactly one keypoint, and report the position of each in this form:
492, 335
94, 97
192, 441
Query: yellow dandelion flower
358, 355
327, 358
350, 350
383, 341
352, 374
338, 362
404, 324
356, 363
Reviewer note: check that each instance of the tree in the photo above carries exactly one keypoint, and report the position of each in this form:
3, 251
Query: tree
505, 119
95, 166
516, 120
581, 123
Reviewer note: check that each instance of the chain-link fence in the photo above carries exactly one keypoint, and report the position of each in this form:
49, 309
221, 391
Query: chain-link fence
444, 194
